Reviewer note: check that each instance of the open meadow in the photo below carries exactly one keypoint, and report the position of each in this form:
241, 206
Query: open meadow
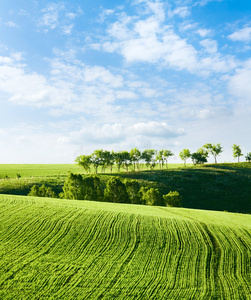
67, 249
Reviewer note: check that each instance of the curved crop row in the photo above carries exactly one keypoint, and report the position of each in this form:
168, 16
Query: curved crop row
83, 250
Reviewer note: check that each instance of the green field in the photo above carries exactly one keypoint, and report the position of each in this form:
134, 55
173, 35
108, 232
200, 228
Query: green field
224, 187
66, 249
48, 170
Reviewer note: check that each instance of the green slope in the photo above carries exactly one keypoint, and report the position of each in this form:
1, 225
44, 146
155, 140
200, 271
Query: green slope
64, 249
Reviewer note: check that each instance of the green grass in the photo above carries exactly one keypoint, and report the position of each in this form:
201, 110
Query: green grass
66, 249
213, 186
37, 170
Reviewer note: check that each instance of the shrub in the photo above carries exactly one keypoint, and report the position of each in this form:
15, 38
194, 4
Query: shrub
115, 191
173, 199
133, 191
73, 187
151, 196
42, 191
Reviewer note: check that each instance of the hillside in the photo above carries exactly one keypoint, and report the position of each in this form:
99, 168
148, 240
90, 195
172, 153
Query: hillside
65, 249
224, 187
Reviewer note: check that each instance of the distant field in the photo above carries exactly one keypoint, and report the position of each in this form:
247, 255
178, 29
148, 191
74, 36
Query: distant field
41, 170
66, 249
38, 170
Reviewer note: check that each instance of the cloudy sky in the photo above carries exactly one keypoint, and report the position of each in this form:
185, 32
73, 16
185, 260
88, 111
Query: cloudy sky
81, 75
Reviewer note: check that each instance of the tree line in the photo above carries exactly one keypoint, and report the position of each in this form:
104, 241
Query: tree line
103, 159
90, 187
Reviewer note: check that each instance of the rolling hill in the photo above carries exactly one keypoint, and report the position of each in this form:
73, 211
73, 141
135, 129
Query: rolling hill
66, 249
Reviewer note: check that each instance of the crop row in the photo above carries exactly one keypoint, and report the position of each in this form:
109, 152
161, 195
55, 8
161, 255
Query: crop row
70, 251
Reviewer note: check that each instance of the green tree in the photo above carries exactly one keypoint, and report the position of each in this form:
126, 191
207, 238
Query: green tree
73, 187
248, 157
92, 188
110, 159
215, 150
119, 159
173, 199
135, 156
42, 191
199, 157
184, 155
97, 159
160, 158
166, 155
148, 156
84, 161
126, 157
115, 191
133, 191
151, 196
237, 152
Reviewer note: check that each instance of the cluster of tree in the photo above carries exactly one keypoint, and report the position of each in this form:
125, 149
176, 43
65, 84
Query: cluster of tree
201, 155
42, 191
114, 190
104, 159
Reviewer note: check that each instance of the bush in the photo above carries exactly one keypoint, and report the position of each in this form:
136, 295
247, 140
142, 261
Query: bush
73, 187
42, 191
151, 196
133, 191
79, 188
115, 191
173, 199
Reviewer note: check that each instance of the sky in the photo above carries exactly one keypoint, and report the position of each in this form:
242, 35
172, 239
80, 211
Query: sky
76, 76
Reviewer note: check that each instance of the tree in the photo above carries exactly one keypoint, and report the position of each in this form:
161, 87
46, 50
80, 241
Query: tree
160, 158
166, 155
84, 161
115, 191
118, 158
133, 191
237, 152
184, 155
151, 196
97, 159
248, 157
126, 159
215, 150
110, 159
135, 156
173, 199
42, 191
199, 157
92, 188
148, 156
73, 187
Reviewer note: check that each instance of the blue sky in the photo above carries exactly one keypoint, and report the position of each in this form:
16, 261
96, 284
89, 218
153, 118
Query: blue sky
76, 76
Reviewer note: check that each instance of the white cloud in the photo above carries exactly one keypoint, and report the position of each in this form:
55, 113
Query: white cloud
182, 11
242, 35
239, 83
51, 15
155, 129
11, 24
209, 45
205, 2
146, 38
203, 32
117, 133
67, 29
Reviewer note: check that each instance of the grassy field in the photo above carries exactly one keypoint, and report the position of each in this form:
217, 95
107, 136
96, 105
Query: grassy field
215, 186
49, 170
66, 249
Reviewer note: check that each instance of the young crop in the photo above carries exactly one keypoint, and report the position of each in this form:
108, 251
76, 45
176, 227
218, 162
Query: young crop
59, 249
